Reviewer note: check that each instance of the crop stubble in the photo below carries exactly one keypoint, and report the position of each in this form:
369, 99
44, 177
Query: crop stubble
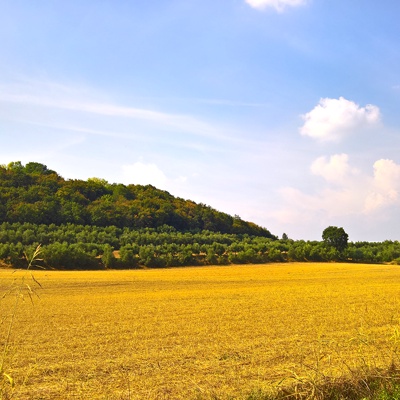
211, 331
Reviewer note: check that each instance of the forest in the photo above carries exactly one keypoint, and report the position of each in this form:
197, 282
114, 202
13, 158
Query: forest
97, 225
33, 193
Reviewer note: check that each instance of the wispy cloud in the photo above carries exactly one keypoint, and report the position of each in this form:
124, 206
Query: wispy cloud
217, 101
230, 103
333, 119
279, 5
50, 95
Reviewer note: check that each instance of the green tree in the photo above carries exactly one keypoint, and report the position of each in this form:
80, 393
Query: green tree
37, 168
108, 258
127, 255
335, 237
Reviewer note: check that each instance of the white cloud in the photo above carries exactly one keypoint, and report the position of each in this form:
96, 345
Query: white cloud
141, 173
335, 170
332, 119
279, 5
385, 187
347, 194
144, 174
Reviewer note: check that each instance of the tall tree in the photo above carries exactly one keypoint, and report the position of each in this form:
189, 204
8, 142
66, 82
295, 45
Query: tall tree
335, 237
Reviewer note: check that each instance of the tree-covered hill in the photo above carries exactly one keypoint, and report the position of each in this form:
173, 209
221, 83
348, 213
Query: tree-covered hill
35, 194
93, 224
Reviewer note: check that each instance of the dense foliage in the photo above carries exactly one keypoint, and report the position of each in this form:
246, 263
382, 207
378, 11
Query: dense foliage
36, 194
335, 237
71, 246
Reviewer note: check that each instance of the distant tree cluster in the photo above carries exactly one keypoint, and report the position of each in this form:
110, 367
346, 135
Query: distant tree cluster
71, 246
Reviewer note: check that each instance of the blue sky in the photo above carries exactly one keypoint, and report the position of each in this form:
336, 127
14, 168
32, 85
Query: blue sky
284, 112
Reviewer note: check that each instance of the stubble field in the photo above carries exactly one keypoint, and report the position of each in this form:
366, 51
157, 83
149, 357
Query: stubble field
197, 333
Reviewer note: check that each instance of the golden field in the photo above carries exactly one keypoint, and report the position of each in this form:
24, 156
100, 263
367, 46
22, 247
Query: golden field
197, 333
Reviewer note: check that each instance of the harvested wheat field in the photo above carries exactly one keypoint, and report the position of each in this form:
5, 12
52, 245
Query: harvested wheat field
199, 333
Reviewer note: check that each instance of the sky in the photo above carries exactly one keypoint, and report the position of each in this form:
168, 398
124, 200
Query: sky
284, 112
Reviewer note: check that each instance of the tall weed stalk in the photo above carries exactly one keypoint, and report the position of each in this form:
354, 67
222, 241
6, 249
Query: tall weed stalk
20, 289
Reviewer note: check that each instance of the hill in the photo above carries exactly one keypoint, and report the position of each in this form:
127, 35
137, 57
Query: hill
38, 195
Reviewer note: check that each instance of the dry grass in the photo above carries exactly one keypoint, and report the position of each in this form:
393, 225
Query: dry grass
210, 332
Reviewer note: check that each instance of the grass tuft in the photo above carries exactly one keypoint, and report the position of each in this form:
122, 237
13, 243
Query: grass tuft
20, 289
375, 384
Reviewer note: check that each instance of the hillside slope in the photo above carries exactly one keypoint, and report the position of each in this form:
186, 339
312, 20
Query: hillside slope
35, 194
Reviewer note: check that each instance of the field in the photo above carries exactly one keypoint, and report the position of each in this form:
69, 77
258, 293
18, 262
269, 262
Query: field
197, 333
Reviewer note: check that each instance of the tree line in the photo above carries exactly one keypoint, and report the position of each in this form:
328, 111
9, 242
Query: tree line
71, 246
